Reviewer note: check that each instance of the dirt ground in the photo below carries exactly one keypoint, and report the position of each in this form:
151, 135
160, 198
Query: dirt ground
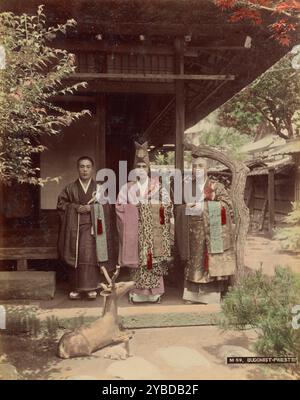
160, 353
265, 253
260, 252
194, 352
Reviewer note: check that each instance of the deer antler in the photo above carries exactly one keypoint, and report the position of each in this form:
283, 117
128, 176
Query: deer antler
107, 277
116, 274
104, 286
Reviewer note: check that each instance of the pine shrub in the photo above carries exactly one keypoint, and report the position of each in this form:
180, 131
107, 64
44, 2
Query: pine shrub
265, 304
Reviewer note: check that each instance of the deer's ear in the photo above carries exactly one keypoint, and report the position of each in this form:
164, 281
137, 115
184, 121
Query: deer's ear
105, 293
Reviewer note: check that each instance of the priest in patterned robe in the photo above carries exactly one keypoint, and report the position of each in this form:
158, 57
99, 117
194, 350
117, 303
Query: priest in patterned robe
86, 232
205, 238
143, 212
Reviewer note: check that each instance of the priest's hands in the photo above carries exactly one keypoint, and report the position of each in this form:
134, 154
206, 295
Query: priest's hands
84, 209
190, 205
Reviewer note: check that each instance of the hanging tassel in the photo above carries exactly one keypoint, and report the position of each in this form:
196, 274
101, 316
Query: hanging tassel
205, 258
223, 215
162, 215
149, 260
99, 226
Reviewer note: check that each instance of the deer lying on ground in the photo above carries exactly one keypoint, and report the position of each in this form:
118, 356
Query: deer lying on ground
87, 339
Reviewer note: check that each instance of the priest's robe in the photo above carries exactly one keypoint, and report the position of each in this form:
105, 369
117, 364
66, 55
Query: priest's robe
144, 236
82, 243
209, 262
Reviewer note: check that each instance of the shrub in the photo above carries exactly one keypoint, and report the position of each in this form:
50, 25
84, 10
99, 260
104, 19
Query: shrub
265, 304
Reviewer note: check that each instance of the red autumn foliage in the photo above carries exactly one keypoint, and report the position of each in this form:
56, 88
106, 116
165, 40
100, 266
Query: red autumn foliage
245, 13
291, 5
225, 4
251, 10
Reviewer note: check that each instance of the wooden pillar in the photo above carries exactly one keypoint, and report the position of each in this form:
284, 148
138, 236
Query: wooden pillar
179, 136
100, 153
271, 200
297, 177
179, 104
22, 264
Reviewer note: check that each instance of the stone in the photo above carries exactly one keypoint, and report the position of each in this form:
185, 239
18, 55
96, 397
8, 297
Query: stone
117, 352
234, 351
182, 357
134, 368
81, 378
8, 372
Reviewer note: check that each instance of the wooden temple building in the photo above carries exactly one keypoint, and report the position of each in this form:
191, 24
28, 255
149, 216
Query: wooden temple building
154, 68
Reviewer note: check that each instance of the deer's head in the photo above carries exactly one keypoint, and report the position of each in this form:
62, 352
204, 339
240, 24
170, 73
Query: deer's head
119, 289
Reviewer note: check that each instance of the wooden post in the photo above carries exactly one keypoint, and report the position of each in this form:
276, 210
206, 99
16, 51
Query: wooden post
297, 177
179, 136
179, 105
271, 200
22, 264
263, 214
100, 152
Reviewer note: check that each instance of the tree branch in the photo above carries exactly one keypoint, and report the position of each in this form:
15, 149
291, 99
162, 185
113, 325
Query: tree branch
260, 7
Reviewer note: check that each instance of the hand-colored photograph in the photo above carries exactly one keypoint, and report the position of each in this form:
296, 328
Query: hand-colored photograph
149, 191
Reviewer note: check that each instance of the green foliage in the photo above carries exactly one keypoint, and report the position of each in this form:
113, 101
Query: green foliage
273, 98
264, 304
164, 158
34, 73
226, 139
289, 235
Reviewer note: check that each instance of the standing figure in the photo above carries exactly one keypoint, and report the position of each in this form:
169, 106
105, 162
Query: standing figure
205, 239
86, 232
143, 222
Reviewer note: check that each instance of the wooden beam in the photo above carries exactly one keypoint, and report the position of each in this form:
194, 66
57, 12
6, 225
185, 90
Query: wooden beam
271, 200
159, 117
195, 101
194, 114
84, 46
74, 99
28, 253
183, 77
200, 30
100, 160
106, 86
195, 104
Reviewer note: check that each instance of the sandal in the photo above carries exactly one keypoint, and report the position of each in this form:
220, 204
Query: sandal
92, 295
74, 295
